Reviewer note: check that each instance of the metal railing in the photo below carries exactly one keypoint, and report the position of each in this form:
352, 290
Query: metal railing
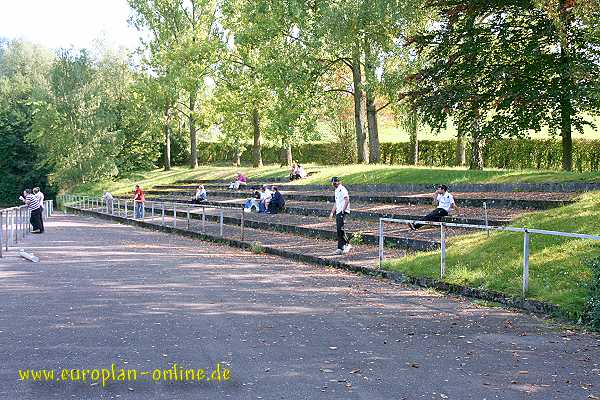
14, 223
152, 210
526, 233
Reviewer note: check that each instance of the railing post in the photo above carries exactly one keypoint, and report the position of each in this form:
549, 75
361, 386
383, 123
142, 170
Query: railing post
118, 207
525, 262
163, 214
381, 242
443, 251
174, 215
125, 209
188, 217
152, 210
203, 220
221, 223
242, 225
485, 214
18, 221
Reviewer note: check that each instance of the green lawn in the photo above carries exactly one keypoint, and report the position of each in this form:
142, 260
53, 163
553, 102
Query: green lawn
351, 174
558, 272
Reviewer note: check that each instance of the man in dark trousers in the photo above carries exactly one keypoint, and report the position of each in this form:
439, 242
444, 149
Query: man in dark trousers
35, 211
340, 209
277, 202
444, 202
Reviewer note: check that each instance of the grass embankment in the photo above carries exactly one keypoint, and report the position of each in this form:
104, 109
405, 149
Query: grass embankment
557, 266
352, 174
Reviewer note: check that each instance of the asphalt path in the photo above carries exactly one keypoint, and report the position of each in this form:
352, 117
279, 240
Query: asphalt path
105, 294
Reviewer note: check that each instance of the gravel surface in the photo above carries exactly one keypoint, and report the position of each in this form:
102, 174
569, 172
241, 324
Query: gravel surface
105, 293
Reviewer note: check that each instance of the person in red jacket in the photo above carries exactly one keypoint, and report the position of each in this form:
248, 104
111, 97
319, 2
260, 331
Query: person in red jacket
138, 201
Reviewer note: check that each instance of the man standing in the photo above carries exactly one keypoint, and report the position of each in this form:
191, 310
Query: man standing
108, 201
340, 210
35, 211
40, 196
444, 202
138, 200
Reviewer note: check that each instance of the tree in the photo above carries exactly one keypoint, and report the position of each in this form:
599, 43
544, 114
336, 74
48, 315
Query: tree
23, 74
502, 68
185, 43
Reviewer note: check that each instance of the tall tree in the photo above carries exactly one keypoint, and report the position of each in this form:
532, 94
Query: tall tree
502, 68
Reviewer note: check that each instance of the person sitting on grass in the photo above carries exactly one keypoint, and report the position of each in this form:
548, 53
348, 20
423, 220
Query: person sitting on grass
294, 173
240, 180
201, 196
265, 198
277, 202
444, 202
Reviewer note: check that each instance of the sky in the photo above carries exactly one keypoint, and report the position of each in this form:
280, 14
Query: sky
68, 23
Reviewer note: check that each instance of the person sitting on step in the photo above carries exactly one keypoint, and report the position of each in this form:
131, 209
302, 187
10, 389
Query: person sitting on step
277, 203
444, 202
200, 196
265, 198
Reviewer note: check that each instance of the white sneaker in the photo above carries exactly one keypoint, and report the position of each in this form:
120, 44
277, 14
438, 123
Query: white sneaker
346, 249
339, 252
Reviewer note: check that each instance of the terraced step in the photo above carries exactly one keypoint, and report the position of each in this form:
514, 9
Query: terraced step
521, 200
566, 187
396, 235
374, 211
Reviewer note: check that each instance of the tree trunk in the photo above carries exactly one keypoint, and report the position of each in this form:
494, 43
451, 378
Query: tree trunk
374, 151
238, 156
566, 108
167, 144
361, 140
193, 141
257, 148
288, 155
461, 152
414, 142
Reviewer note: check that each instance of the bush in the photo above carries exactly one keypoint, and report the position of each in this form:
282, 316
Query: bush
592, 311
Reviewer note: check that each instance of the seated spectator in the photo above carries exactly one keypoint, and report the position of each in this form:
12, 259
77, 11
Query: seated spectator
240, 180
201, 196
265, 198
252, 203
277, 203
301, 172
294, 172
444, 202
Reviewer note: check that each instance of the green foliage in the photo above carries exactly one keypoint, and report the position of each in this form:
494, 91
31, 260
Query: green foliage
558, 270
592, 313
357, 239
22, 73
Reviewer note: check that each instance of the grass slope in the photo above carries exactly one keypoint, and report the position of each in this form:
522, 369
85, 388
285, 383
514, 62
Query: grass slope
558, 272
352, 174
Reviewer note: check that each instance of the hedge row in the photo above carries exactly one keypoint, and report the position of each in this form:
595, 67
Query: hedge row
505, 154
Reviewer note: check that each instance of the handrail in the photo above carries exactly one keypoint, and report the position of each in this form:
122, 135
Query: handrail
526, 232
14, 223
176, 208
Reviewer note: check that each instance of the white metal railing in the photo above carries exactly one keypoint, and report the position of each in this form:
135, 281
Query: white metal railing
158, 209
526, 232
14, 223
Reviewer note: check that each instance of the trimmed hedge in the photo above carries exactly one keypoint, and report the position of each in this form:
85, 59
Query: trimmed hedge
504, 153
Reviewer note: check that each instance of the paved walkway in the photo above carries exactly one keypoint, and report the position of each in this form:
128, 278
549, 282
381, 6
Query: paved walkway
106, 293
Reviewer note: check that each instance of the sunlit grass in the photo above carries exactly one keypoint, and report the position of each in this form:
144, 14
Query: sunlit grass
558, 272
351, 174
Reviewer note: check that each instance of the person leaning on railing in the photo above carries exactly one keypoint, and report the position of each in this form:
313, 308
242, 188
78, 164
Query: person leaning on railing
35, 211
138, 199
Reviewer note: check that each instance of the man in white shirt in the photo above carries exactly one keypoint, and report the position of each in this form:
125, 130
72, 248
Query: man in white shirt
340, 209
444, 201
108, 201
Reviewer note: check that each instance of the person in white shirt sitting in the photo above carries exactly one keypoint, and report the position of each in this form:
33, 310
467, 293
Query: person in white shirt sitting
265, 199
200, 196
444, 201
